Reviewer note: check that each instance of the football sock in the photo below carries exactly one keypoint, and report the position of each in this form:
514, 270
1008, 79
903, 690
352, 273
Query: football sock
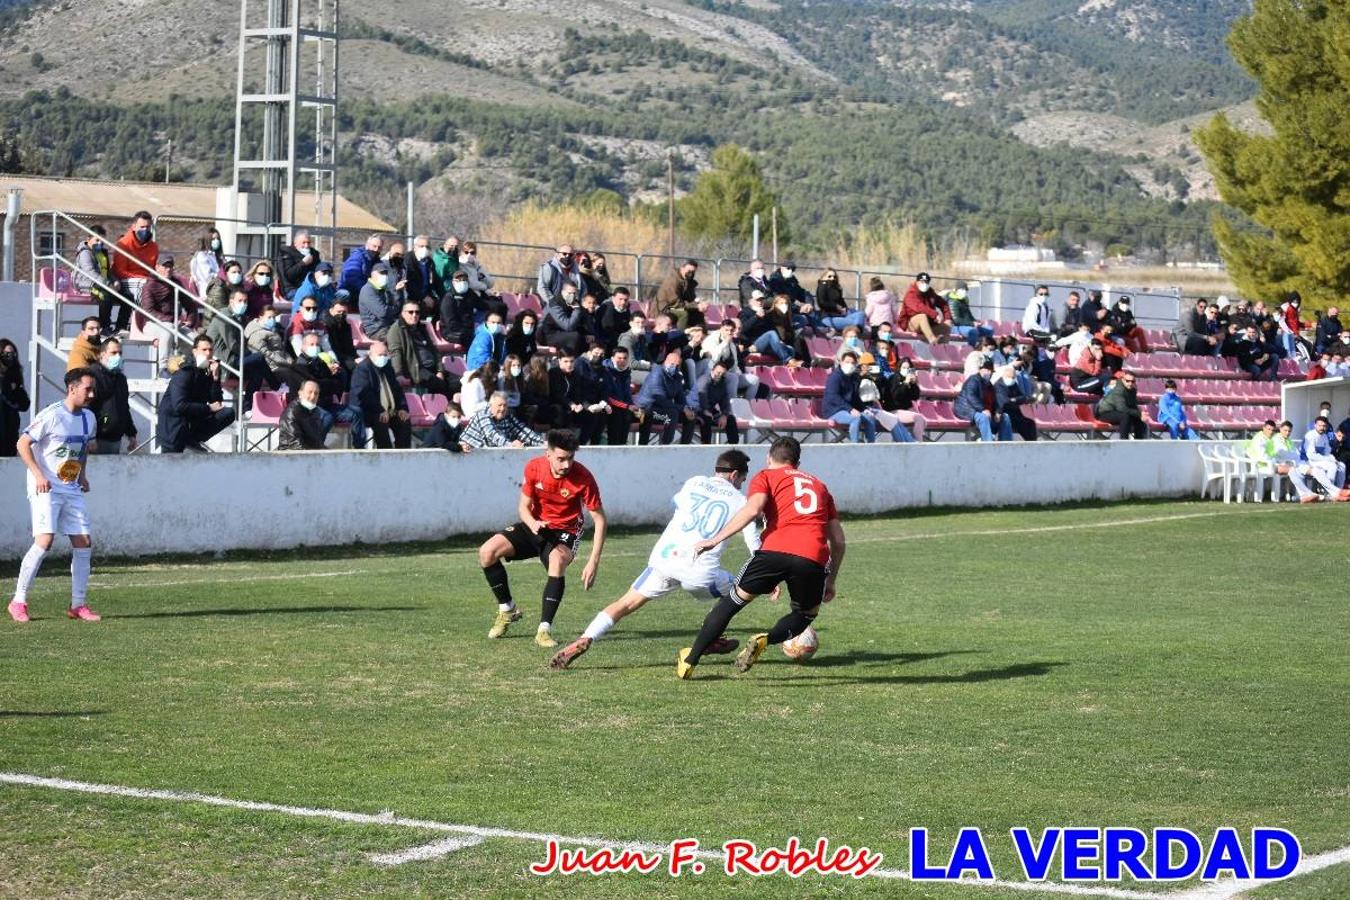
28, 570
79, 575
501, 588
791, 625
599, 625
716, 622
553, 594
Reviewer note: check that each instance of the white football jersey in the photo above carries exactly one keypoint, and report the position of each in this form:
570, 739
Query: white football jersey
60, 445
704, 504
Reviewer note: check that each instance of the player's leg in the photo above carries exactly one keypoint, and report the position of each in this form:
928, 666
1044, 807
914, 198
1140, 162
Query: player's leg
715, 585
632, 600
806, 589
73, 521
495, 550
757, 577
559, 557
44, 531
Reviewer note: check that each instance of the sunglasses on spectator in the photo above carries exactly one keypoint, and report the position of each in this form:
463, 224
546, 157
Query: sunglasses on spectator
310, 308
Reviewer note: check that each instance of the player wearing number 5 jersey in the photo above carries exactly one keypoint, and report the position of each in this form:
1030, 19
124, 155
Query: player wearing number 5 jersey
702, 507
55, 447
803, 546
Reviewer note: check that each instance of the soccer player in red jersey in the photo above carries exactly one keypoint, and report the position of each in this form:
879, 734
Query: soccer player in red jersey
803, 545
555, 489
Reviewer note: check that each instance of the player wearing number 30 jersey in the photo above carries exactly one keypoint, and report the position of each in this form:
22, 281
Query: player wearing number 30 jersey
702, 507
803, 546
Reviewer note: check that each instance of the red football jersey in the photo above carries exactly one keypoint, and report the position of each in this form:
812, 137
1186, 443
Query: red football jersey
797, 514
557, 502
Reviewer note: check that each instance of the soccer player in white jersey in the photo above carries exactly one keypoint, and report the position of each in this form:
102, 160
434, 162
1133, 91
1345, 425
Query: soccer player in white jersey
55, 447
704, 504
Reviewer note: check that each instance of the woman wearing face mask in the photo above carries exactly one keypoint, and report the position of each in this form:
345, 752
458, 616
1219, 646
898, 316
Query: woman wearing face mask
520, 337
229, 279
534, 390
832, 309
320, 286
899, 392
596, 274
13, 397
206, 262
260, 286
511, 381
477, 386
780, 320
479, 279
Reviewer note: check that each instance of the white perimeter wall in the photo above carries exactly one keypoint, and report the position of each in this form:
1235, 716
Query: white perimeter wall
196, 503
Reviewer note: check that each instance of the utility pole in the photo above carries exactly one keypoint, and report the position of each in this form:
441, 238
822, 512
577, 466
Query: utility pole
670, 188
774, 213
168, 162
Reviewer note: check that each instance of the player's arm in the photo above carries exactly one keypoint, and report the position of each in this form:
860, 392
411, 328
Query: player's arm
754, 505
835, 536
751, 536
25, 449
525, 510
597, 547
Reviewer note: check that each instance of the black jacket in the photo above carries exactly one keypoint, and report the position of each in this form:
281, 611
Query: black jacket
520, 344
443, 437
564, 389
186, 400
300, 428
418, 287
457, 324
113, 410
365, 392
340, 339
292, 269
830, 299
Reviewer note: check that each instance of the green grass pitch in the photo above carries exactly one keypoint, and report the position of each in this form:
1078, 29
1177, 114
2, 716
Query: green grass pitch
1144, 664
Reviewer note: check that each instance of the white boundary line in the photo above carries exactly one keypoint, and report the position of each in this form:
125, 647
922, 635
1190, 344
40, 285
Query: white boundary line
1221, 890
470, 835
290, 576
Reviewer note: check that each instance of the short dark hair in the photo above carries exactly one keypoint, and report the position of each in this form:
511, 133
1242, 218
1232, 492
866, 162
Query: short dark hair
86, 320
848, 353
1286, 422
142, 214
691, 262
1169, 383
639, 314
1270, 422
619, 349
232, 264
203, 339
74, 376
562, 439
732, 461
98, 230
786, 450
621, 290
109, 342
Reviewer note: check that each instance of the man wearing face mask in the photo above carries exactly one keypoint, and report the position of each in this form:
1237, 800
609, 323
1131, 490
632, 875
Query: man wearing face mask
571, 394
564, 322
553, 275
977, 404
1254, 358
1123, 321
412, 354
712, 408
613, 318
339, 331
1038, 321
757, 330
638, 344
920, 312
192, 410
378, 307
360, 263
842, 404
678, 296
618, 394
458, 310
84, 350
963, 321
721, 347
376, 392
489, 343
784, 281
317, 286
396, 260
112, 402
479, 279
308, 321
300, 426
296, 263
138, 254
1008, 400
227, 346
417, 272
322, 368
663, 400
447, 433
444, 264
93, 276
753, 280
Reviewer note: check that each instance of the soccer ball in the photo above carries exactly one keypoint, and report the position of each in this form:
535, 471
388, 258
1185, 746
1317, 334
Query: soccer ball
803, 646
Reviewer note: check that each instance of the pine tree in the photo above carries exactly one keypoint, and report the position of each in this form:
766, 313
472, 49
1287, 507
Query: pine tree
1294, 182
725, 199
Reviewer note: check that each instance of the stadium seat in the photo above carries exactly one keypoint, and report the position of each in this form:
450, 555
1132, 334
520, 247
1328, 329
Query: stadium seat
359, 338
417, 414
454, 366
434, 405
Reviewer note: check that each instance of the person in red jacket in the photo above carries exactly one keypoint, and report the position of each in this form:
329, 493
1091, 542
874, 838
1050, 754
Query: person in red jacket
922, 312
136, 246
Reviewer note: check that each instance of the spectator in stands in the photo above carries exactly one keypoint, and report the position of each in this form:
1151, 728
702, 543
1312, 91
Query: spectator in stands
1124, 324
983, 353
572, 394
1008, 350
1269, 333
489, 343
193, 410
398, 272
93, 276
783, 282
1255, 358
301, 426
305, 321
137, 256
564, 321
1038, 321
638, 343
1114, 351
112, 401
444, 264
158, 299
1009, 399
376, 392
296, 263
618, 395
361, 262
832, 311
758, 333
1073, 315
477, 386
720, 347
712, 408
663, 401
963, 321
842, 404
595, 272
1231, 338
378, 308
1089, 376
1172, 413
783, 321
590, 320
479, 279
458, 312
534, 408
512, 380
262, 336
1120, 407
1329, 330
693, 364
1034, 390
678, 296
418, 272
520, 337
323, 368
614, 318
1291, 325
412, 353
753, 280
1197, 333
880, 306
339, 331
899, 392
204, 267
1321, 367
976, 404
318, 285
1094, 310
494, 426
920, 312
447, 432
258, 286
85, 349
229, 280
14, 400
1041, 368
558, 272
227, 346
1320, 452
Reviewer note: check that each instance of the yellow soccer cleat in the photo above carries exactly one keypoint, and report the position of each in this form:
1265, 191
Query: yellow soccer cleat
752, 652
683, 669
544, 638
503, 621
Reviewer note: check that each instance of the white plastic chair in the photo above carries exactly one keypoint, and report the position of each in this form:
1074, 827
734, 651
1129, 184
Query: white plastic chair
1216, 473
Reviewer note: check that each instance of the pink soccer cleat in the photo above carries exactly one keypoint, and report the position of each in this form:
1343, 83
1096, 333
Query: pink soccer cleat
18, 611
83, 612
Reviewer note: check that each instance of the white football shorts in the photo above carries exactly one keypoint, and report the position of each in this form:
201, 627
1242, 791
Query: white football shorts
59, 512
706, 584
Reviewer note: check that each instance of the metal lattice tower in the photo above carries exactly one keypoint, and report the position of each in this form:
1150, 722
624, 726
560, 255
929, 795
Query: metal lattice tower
285, 124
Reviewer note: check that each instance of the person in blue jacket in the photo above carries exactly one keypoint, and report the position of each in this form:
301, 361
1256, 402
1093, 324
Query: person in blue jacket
356, 270
663, 400
489, 343
976, 404
1172, 413
841, 403
319, 285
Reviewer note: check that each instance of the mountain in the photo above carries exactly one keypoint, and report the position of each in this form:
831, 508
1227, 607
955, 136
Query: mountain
1004, 117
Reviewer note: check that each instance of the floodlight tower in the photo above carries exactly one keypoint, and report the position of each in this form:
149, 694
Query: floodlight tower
285, 126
